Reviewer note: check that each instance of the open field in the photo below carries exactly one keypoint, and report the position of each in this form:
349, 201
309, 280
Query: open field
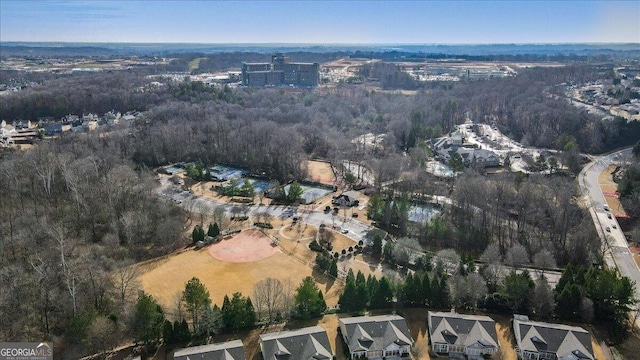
165, 277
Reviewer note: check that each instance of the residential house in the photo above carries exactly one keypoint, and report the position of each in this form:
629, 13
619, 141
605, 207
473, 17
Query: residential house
457, 138
310, 343
485, 158
53, 129
231, 350
462, 336
541, 340
23, 124
347, 198
377, 337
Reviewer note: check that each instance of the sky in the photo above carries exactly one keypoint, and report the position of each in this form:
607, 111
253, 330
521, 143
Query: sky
328, 22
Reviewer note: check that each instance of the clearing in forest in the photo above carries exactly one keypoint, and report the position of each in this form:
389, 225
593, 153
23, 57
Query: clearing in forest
165, 277
321, 172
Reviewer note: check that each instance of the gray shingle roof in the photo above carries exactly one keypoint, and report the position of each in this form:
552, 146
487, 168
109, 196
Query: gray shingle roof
460, 329
310, 343
567, 342
366, 333
231, 350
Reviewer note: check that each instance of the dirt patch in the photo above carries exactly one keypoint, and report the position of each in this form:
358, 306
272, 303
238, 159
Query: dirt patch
609, 189
320, 171
417, 323
505, 336
247, 246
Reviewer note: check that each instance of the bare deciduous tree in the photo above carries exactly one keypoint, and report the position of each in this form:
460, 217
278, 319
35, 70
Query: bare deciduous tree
448, 260
542, 302
491, 255
477, 289
543, 259
269, 294
517, 256
126, 280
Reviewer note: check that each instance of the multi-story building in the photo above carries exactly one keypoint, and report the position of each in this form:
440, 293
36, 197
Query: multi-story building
280, 72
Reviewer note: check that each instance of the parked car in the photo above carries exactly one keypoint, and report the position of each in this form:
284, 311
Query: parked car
344, 231
606, 208
614, 226
608, 229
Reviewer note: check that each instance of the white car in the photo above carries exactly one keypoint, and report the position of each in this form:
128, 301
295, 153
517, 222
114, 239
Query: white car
344, 231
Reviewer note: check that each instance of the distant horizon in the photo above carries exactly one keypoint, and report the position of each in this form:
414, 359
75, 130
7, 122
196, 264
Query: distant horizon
316, 44
365, 22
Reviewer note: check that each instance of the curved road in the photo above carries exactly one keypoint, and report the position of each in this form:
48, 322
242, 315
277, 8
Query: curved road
615, 244
356, 230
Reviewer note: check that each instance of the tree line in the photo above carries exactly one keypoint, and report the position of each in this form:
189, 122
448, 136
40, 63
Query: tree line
74, 215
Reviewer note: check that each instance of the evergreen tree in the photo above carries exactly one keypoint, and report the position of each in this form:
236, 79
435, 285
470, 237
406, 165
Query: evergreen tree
211, 322
517, 289
426, 290
295, 192
387, 251
408, 290
568, 302
376, 248
213, 230
351, 277
383, 295
167, 333
197, 234
362, 295
309, 300
238, 312
372, 287
360, 279
333, 269
196, 298
181, 331
148, 319
443, 293
349, 298
184, 331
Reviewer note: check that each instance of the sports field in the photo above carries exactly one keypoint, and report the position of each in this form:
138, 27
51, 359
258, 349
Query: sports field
165, 277
320, 171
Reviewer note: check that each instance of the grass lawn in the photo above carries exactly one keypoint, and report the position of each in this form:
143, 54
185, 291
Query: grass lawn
164, 278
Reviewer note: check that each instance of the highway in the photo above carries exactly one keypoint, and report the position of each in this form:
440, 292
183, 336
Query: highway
617, 252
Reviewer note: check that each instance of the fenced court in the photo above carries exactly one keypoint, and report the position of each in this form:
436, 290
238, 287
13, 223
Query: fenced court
223, 173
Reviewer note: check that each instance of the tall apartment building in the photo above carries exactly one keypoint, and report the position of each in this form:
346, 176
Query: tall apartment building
280, 72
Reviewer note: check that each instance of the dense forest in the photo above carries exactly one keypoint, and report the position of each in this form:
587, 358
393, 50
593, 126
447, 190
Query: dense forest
77, 209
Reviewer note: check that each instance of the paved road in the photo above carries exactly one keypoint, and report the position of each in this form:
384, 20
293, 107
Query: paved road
355, 230
618, 253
